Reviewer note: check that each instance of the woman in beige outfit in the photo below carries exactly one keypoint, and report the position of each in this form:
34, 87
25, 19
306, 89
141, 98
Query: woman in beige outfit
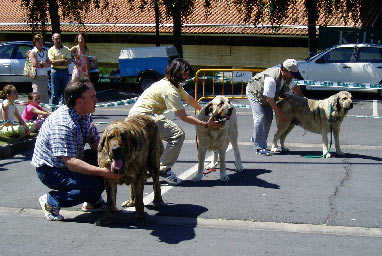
39, 58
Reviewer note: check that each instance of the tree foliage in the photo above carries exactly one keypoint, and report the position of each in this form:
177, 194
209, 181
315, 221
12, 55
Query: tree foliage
38, 11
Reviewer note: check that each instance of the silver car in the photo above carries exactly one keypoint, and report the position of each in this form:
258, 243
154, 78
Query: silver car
352, 67
12, 61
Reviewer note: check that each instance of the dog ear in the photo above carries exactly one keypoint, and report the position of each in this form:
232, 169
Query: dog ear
336, 103
208, 109
102, 141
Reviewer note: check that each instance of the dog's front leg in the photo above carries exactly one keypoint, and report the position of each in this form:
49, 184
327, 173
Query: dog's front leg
336, 133
213, 163
111, 195
139, 206
324, 136
201, 157
223, 172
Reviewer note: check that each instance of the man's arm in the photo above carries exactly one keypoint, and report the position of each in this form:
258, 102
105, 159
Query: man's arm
276, 109
79, 166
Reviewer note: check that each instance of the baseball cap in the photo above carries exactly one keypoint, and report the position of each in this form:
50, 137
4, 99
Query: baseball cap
290, 65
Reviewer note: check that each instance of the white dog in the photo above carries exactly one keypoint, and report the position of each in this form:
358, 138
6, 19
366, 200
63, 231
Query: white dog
217, 139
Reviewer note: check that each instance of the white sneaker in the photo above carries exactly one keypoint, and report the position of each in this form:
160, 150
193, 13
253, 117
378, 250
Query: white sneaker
51, 213
170, 177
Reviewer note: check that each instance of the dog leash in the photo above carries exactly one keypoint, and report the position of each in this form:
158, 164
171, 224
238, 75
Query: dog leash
331, 134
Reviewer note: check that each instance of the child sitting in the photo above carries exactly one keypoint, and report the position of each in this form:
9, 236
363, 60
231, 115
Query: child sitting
9, 111
33, 112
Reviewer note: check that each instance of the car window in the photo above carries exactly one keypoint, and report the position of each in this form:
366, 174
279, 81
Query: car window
22, 51
338, 55
370, 55
6, 51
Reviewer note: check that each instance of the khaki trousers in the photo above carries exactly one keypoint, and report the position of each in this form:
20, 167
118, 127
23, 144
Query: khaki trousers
40, 85
173, 135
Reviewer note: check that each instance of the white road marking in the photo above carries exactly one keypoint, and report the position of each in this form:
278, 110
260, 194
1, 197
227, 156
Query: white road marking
375, 107
164, 189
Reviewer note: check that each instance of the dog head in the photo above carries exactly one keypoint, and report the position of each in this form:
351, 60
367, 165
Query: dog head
342, 102
220, 107
117, 147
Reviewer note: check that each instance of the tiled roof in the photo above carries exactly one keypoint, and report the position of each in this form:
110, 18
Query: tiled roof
224, 18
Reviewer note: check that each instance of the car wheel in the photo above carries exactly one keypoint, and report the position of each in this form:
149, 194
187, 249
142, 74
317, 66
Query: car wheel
115, 77
146, 82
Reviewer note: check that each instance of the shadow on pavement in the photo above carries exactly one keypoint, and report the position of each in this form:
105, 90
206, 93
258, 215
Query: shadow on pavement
248, 177
165, 225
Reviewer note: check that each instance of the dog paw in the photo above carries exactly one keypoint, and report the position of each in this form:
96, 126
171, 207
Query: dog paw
328, 155
159, 203
198, 177
284, 149
224, 178
274, 149
340, 153
239, 168
211, 165
128, 203
140, 221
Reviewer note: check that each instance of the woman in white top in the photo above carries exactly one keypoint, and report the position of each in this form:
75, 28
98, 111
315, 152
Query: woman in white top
39, 58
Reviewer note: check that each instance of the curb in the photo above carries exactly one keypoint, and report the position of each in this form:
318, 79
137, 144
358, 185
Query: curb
12, 149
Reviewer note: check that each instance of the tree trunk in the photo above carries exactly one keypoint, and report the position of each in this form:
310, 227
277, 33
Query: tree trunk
311, 8
156, 9
177, 33
54, 17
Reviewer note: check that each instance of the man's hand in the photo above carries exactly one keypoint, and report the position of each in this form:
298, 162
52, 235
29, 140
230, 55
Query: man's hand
212, 123
111, 175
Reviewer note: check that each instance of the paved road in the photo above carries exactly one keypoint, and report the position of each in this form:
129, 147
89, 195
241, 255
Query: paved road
284, 204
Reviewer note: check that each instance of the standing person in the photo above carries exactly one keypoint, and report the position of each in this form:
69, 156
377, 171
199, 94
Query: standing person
33, 112
80, 53
262, 90
8, 109
39, 58
167, 94
59, 154
60, 58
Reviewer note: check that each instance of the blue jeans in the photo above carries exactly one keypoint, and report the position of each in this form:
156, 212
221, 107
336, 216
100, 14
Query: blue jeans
59, 81
70, 188
262, 120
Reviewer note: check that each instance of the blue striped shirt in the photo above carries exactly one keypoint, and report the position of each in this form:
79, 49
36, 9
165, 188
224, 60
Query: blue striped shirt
63, 133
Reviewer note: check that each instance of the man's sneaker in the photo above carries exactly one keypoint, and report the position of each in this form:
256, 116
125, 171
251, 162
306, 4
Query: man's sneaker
170, 177
51, 213
99, 206
263, 152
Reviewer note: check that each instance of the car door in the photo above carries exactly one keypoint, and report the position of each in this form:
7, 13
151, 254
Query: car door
369, 64
18, 61
5, 62
335, 65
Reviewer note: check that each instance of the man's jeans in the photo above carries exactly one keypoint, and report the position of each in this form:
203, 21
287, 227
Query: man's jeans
262, 120
59, 81
70, 188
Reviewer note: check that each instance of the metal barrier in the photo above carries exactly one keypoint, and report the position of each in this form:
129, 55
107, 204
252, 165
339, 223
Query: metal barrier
217, 77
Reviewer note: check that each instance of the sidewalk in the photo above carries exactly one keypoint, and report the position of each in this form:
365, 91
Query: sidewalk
10, 149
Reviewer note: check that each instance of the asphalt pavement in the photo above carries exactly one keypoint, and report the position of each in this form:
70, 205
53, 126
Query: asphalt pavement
284, 204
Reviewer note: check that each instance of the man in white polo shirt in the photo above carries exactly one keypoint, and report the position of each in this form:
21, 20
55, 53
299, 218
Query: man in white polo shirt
262, 90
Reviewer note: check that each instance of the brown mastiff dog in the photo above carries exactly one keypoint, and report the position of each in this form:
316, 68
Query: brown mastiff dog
132, 148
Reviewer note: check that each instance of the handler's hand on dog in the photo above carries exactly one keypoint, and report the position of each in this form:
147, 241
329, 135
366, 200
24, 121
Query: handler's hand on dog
111, 175
212, 123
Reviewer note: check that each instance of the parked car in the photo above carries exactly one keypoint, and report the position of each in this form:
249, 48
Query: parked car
12, 61
352, 64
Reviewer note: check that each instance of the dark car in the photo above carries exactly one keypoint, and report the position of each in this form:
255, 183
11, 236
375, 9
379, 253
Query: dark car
12, 61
